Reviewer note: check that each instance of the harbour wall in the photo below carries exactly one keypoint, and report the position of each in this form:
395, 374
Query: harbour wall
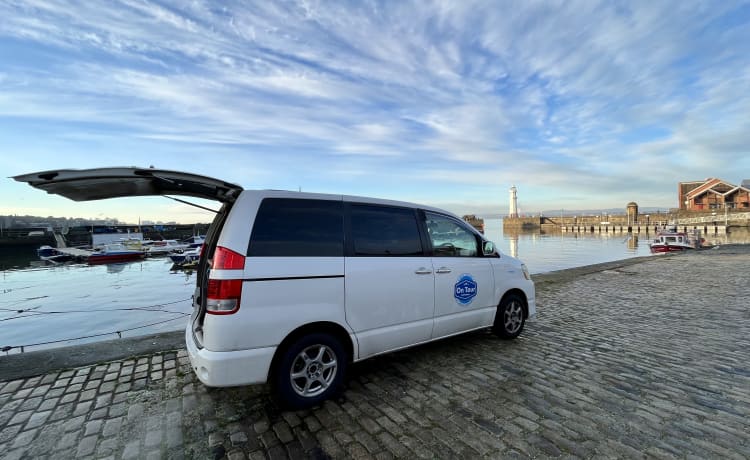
31, 237
82, 236
708, 223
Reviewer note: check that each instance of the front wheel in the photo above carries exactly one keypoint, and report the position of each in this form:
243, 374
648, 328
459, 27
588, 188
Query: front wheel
509, 319
310, 371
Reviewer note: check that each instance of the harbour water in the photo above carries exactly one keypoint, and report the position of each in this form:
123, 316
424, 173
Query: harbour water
52, 306
556, 251
48, 305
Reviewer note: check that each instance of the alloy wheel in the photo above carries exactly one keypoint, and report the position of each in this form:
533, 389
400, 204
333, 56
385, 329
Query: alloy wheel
513, 317
313, 370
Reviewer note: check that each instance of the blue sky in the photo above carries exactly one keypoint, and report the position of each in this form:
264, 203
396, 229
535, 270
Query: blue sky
581, 105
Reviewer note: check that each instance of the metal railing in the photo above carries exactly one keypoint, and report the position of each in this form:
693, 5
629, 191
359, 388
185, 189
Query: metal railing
719, 218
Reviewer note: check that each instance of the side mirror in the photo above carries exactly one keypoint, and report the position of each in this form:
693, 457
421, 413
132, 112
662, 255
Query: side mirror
488, 248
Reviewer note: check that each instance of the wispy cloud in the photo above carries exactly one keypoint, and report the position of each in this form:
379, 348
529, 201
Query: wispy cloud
445, 102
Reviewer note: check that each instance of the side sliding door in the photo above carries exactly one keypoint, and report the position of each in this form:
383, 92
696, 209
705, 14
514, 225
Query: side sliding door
389, 278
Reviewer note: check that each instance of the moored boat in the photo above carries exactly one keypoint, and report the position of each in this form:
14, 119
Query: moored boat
49, 254
158, 248
112, 253
59, 258
673, 242
46, 251
133, 242
195, 241
186, 257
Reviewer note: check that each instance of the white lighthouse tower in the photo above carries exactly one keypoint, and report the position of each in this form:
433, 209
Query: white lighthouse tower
513, 211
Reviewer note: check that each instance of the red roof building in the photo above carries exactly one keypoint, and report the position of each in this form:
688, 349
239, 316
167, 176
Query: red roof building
713, 193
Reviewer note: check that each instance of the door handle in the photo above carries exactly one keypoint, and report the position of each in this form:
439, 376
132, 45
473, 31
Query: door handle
423, 271
443, 270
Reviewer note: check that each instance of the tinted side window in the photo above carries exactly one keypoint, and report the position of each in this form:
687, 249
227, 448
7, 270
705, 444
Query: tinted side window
449, 237
298, 228
384, 231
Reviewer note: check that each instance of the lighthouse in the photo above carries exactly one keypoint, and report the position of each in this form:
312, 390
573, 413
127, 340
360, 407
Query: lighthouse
513, 211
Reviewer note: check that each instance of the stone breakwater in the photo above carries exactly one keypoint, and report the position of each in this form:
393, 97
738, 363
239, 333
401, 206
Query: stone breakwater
638, 358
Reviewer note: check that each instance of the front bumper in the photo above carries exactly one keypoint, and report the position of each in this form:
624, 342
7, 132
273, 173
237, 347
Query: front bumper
532, 308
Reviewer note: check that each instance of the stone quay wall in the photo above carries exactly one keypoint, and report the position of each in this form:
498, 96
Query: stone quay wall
641, 358
717, 222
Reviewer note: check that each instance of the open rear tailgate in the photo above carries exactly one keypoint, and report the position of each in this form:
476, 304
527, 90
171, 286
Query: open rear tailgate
102, 183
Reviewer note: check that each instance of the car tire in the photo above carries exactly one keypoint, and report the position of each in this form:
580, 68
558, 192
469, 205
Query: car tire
510, 318
310, 370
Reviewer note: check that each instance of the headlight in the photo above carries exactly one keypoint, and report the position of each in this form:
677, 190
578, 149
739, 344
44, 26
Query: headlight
525, 272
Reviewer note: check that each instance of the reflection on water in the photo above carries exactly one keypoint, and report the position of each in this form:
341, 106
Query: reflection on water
42, 304
738, 235
19, 257
544, 252
513, 242
633, 242
115, 268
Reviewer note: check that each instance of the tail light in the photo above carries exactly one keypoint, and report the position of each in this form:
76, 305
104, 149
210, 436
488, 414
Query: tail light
223, 295
224, 259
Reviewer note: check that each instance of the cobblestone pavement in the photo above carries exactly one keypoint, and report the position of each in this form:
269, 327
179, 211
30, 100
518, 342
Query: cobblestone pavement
648, 360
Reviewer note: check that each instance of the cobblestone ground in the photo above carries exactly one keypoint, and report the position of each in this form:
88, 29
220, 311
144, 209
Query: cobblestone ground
651, 360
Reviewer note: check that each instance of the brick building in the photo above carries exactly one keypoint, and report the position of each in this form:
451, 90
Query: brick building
713, 193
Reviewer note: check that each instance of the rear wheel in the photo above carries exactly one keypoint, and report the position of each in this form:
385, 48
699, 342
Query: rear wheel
509, 319
310, 371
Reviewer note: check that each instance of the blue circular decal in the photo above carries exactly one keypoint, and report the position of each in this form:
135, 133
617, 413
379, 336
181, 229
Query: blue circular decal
465, 289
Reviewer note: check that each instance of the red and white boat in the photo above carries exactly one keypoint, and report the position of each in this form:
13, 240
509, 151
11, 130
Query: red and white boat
672, 242
113, 253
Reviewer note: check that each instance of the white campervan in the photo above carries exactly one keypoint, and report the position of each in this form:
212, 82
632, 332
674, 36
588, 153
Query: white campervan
292, 287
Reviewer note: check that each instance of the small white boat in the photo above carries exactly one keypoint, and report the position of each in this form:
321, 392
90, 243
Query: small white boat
158, 248
133, 243
195, 241
187, 257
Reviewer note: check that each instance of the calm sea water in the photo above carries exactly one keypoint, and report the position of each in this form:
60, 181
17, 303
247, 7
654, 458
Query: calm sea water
547, 252
40, 304
54, 303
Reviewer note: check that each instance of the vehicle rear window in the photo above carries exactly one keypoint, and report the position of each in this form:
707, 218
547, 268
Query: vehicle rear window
298, 228
384, 231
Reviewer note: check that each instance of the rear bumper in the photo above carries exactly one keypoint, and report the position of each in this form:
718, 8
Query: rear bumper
228, 368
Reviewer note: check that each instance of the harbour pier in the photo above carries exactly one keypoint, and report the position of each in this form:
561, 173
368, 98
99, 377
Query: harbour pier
643, 229
76, 253
708, 223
